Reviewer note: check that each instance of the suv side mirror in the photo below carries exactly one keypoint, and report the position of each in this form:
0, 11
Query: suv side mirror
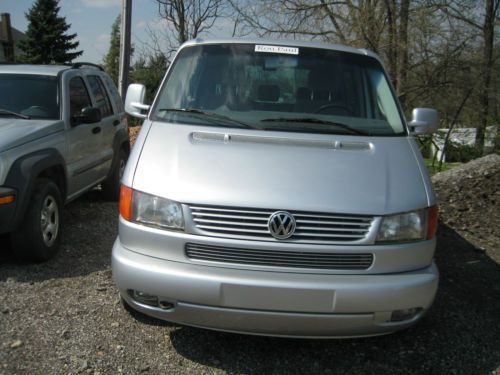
88, 115
134, 100
424, 121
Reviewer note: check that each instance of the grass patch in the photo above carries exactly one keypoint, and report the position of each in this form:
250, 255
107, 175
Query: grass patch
444, 167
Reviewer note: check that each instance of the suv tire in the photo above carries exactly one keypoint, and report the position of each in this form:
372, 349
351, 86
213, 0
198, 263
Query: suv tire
37, 238
111, 186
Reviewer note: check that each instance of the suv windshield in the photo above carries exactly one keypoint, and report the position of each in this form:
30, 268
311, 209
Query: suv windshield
29, 96
279, 88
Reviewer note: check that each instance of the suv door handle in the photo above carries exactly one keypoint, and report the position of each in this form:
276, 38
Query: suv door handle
96, 130
116, 122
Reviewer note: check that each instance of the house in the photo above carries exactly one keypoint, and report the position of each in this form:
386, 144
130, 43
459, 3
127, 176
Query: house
463, 137
9, 40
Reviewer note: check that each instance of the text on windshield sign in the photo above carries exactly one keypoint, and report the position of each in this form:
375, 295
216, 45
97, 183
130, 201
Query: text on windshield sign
277, 49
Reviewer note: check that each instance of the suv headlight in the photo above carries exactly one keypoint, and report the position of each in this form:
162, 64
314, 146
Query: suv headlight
409, 226
150, 210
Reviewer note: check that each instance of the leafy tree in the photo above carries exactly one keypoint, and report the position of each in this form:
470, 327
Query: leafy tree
112, 58
46, 39
150, 71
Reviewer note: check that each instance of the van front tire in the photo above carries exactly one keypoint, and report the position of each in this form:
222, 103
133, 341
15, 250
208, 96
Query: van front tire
38, 237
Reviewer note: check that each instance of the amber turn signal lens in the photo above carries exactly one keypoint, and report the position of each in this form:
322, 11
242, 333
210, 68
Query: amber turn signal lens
432, 221
125, 202
7, 199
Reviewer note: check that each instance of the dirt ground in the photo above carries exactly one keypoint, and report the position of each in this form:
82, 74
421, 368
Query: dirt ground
64, 316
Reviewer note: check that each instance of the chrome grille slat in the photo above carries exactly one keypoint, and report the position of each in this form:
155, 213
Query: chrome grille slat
321, 229
229, 229
326, 235
218, 210
233, 223
292, 259
302, 221
333, 216
247, 223
225, 216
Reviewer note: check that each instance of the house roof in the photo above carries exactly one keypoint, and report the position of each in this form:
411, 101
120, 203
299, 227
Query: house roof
16, 34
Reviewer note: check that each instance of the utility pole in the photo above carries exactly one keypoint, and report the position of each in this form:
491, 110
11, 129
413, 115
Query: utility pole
125, 47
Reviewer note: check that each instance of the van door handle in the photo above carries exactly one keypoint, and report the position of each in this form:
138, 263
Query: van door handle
96, 130
116, 122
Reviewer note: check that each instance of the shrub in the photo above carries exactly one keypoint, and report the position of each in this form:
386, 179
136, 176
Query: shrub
456, 153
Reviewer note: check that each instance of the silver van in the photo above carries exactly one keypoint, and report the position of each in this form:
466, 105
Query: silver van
276, 189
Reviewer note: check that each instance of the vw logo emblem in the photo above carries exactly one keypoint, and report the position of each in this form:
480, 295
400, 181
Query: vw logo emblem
281, 224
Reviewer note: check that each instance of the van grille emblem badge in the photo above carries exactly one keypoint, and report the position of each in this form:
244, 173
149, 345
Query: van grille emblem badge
281, 225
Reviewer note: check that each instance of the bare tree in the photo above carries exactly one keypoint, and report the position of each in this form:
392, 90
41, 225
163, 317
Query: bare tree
379, 25
189, 18
484, 24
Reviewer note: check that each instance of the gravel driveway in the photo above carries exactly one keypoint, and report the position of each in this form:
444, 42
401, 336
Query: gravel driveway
64, 317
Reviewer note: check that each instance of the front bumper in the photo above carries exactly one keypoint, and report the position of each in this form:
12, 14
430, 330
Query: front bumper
273, 303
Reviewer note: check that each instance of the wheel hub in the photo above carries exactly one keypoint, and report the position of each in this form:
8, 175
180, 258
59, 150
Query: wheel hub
49, 220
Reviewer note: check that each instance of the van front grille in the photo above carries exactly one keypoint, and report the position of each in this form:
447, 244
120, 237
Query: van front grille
272, 258
243, 223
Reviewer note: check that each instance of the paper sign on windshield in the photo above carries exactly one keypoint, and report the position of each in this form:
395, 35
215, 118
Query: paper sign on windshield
277, 49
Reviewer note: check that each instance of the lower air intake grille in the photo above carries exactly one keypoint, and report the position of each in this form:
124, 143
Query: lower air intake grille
271, 258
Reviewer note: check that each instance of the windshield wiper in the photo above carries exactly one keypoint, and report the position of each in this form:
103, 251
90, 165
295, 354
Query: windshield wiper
15, 114
312, 120
210, 115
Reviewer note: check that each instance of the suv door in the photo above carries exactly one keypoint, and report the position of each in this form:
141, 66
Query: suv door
109, 121
85, 151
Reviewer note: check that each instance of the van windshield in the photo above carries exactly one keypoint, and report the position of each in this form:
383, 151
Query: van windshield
280, 89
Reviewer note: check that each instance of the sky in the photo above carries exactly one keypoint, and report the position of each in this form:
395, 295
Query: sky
91, 20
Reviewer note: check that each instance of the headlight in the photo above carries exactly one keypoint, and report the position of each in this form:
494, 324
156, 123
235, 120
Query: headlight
150, 210
410, 226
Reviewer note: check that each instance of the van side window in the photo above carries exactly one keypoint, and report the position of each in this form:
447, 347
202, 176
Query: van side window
78, 97
102, 98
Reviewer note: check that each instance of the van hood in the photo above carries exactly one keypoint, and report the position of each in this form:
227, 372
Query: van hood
15, 132
282, 171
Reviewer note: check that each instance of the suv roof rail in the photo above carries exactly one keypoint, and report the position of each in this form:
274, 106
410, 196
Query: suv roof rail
83, 64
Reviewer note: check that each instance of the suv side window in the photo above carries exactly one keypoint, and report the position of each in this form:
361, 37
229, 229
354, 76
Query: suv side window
115, 96
78, 97
103, 102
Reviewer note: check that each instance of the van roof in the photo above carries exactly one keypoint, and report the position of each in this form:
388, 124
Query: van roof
282, 42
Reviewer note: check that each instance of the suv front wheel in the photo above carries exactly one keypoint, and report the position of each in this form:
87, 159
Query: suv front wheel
37, 238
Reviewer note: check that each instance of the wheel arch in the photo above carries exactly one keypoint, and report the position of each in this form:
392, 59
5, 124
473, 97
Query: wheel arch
47, 163
120, 141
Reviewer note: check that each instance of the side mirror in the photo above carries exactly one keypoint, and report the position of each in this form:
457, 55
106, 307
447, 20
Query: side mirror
134, 100
424, 121
88, 115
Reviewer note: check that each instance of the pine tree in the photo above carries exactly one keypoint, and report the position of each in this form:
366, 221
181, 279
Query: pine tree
112, 58
46, 39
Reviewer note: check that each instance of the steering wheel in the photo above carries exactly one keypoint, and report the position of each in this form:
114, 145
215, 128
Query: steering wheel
333, 105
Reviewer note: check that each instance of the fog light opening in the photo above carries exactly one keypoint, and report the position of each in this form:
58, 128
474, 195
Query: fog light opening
144, 298
165, 305
405, 314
